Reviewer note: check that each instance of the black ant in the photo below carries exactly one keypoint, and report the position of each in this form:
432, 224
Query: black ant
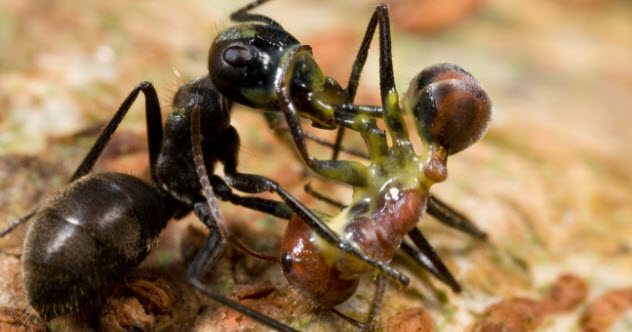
102, 225
259, 64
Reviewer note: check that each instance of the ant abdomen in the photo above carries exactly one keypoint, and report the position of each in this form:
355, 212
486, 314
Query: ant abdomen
83, 239
306, 269
330, 278
449, 105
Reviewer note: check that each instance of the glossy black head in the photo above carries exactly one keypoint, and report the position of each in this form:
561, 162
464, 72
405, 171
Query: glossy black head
243, 62
450, 107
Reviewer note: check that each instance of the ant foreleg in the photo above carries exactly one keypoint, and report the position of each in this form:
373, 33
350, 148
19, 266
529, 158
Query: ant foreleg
209, 253
215, 243
376, 305
431, 260
208, 192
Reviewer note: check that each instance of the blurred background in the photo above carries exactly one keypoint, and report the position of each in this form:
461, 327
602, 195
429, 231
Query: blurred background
550, 182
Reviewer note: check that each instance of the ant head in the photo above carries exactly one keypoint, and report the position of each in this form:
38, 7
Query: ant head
243, 62
450, 107
214, 113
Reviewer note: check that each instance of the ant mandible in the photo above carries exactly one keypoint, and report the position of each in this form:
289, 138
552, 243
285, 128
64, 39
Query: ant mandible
261, 65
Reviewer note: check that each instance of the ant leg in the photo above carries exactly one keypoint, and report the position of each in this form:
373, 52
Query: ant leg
154, 134
425, 262
242, 14
429, 258
378, 300
361, 57
354, 78
376, 307
390, 100
452, 218
17, 223
154, 129
208, 254
338, 142
268, 206
322, 197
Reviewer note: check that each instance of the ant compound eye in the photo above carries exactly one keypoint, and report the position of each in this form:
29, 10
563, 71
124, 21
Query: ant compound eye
237, 56
450, 106
243, 62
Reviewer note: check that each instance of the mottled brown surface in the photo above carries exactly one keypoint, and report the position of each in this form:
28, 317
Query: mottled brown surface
523, 314
149, 301
512, 315
15, 320
431, 16
603, 312
566, 294
550, 182
411, 320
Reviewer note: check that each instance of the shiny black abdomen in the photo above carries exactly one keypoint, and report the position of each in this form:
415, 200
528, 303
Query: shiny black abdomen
94, 232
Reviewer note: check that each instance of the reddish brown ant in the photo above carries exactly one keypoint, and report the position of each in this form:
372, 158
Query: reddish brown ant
261, 65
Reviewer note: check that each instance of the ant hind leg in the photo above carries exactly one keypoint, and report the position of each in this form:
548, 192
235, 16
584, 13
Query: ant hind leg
17, 223
154, 137
154, 129
374, 311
